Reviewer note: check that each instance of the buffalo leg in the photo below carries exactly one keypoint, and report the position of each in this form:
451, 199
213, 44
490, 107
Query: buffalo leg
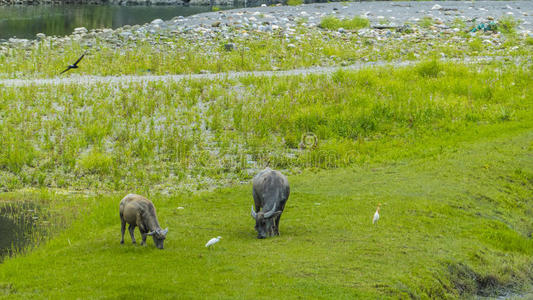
122, 229
276, 230
141, 229
131, 229
257, 201
143, 235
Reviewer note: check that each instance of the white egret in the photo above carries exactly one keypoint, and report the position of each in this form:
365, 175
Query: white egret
213, 241
376, 215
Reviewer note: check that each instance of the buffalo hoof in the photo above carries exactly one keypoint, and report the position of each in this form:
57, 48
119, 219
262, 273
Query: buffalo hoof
121, 242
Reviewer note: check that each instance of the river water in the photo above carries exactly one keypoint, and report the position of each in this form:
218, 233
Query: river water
25, 21
18, 225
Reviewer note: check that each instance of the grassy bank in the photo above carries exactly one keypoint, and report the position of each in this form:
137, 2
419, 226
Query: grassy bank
188, 51
453, 224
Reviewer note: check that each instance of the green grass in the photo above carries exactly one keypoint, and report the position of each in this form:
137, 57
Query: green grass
333, 23
452, 224
155, 135
445, 148
294, 2
426, 22
507, 25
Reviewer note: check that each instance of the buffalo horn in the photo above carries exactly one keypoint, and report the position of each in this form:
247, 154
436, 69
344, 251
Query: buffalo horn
254, 215
271, 212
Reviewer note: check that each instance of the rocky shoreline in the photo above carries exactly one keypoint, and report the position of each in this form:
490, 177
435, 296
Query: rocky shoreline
127, 2
385, 18
397, 32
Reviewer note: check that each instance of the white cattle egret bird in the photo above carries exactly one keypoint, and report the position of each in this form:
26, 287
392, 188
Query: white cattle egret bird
376, 215
213, 241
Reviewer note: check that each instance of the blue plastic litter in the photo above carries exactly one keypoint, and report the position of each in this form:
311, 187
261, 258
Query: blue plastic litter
490, 26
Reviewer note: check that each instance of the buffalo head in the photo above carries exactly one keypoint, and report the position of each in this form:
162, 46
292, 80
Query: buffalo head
159, 236
265, 222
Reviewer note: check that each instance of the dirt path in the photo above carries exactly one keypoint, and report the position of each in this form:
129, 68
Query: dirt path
90, 79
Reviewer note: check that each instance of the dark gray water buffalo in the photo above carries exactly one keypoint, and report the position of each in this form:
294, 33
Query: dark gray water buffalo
271, 191
139, 211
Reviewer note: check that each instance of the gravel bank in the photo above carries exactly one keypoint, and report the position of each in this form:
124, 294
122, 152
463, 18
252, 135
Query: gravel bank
397, 32
268, 18
377, 12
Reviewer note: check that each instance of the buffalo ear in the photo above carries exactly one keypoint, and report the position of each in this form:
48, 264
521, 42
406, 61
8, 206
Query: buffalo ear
165, 231
151, 233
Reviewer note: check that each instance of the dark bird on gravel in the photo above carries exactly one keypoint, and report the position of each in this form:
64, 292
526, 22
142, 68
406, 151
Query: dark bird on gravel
74, 65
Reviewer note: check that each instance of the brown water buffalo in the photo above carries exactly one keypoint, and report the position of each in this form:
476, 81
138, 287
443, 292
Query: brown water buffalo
139, 211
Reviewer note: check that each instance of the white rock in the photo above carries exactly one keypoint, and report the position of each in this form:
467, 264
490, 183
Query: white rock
80, 30
436, 7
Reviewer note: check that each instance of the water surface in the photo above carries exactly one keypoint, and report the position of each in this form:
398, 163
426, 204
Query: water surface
18, 224
24, 21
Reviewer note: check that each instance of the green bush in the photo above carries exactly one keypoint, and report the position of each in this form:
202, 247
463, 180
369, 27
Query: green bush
429, 68
96, 162
507, 24
15, 153
426, 22
294, 2
476, 45
333, 23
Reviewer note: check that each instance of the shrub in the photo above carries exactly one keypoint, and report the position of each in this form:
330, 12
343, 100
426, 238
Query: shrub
294, 2
15, 153
332, 23
426, 22
476, 44
95, 162
429, 68
507, 24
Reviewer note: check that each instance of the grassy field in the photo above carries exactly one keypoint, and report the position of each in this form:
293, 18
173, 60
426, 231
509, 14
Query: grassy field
200, 134
454, 223
446, 148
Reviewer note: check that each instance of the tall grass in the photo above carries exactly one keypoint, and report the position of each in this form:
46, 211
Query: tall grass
333, 23
508, 24
201, 133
